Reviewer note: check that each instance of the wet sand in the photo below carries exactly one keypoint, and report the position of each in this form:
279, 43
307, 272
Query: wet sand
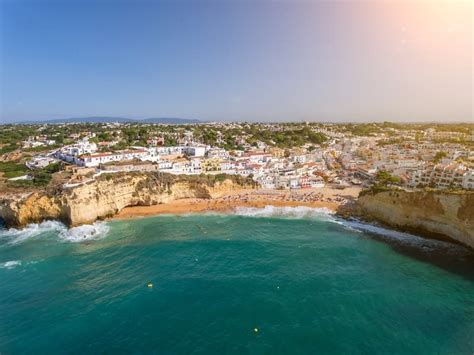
317, 198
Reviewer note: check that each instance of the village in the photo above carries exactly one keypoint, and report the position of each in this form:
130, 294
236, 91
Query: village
340, 159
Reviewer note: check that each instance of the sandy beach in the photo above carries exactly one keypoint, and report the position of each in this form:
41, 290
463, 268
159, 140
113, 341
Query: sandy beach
317, 198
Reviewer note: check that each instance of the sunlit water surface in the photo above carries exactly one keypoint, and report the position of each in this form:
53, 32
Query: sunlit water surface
275, 281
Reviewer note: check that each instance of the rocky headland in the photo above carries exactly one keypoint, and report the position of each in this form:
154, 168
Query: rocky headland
108, 194
433, 214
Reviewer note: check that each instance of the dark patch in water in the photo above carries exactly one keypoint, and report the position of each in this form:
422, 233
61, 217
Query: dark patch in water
452, 257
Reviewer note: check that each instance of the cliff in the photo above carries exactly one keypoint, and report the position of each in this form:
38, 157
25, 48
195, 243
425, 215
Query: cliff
109, 193
429, 213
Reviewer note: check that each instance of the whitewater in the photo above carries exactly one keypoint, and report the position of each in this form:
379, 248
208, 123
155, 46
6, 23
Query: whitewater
100, 229
308, 281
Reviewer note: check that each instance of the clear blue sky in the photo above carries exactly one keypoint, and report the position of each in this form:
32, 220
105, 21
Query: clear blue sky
237, 60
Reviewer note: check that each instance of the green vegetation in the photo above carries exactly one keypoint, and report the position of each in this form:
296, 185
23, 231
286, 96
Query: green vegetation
170, 141
157, 179
40, 177
465, 128
220, 177
384, 178
230, 137
11, 134
8, 148
384, 181
374, 189
439, 155
119, 146
13, 169
390, 141
364, 129
287, 138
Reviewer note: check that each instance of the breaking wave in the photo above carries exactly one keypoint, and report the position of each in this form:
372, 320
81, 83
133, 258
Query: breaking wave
299, 212
402, 237
82, 233
30, 231
14, 263
98, 230
10, 264
393, 236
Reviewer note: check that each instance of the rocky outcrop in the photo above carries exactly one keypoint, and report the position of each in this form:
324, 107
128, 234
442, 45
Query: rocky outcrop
109, 193
32, 208
429, 213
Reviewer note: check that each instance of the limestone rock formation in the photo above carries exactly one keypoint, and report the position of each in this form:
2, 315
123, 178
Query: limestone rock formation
109, 193
429, 213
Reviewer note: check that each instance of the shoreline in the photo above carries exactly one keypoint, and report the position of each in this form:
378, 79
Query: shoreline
185, 206
328, 198
341, 203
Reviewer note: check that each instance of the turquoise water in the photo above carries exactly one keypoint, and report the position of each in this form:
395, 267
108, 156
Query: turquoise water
308, 283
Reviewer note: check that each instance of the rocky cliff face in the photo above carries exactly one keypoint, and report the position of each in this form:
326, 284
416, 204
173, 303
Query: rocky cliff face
435, 214
110, 193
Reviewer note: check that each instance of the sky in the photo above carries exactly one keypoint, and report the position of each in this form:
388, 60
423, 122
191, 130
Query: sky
402, 61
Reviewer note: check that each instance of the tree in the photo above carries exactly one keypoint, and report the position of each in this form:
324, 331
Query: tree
59, 138
438, 156
384, 178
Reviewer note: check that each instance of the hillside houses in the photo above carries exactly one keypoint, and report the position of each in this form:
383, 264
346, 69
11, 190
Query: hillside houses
443, 176
91, 160
343, 159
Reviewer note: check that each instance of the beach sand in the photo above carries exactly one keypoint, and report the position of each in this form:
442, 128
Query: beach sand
317, 198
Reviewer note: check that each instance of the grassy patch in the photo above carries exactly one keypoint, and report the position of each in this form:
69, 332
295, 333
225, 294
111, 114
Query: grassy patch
12, 169
41, 177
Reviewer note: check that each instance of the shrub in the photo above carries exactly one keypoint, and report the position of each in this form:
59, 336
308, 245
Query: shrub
13, 169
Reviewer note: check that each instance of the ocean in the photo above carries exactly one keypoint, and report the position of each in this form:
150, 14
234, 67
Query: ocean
259, 281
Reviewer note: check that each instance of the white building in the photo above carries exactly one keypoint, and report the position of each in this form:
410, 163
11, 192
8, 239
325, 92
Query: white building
218, 153
40, 162
71, 152
194, 150
267, 181
468, 180
90, 160
443, 176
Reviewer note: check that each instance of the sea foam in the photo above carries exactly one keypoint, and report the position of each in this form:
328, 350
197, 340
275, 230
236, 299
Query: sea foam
32, 230
303, 212
402, 237
10, 264
98, 230
299, 212
15, 263
86, 232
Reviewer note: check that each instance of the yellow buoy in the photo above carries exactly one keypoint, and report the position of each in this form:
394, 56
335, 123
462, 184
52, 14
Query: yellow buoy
150, 285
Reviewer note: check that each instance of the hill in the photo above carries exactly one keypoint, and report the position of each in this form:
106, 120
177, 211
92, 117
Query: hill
105, 119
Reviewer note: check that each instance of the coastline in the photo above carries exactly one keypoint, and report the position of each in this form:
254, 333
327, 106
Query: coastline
344, 203
328, 198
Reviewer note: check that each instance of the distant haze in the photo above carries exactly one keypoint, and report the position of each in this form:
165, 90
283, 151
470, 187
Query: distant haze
405, 61
94, 119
